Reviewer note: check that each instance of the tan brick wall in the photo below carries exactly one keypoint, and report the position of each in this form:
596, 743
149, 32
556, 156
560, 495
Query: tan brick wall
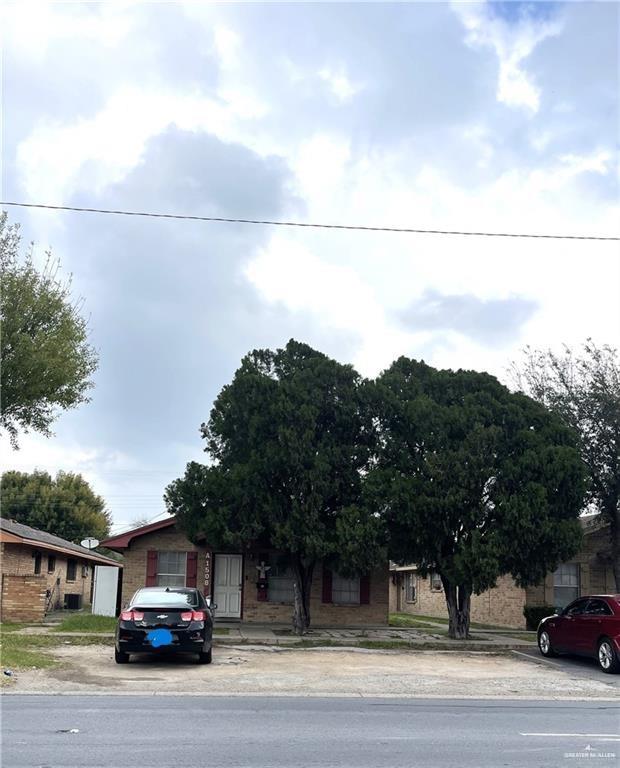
18, 560
166, 540
595, 572
375, 613
503, 605
321, 614
23, 597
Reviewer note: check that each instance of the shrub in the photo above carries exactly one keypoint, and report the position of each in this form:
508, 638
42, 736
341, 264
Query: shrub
534, 614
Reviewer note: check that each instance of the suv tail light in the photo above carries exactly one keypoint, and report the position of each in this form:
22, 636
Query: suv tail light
132, 615
193, 616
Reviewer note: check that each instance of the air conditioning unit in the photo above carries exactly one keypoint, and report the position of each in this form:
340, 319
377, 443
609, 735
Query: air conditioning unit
73, 602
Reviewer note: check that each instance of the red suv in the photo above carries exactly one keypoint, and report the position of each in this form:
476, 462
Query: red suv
589, 626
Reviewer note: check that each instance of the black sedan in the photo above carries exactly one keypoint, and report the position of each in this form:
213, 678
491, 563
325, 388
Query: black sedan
162, 619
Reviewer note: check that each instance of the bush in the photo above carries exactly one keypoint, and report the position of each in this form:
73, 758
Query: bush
534, 614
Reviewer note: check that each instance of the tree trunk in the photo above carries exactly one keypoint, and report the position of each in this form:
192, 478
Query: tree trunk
302, 587
615, 550
458, 600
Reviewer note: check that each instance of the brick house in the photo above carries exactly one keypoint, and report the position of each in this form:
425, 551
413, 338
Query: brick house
160, 553
42, 572
589, 572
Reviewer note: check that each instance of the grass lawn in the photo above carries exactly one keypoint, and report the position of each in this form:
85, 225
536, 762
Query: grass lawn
86, 622
417, 620
407, 620
17, 652
29, 651
10, 626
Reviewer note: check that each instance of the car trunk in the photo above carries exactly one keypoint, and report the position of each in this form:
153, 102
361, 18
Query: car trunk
167, 616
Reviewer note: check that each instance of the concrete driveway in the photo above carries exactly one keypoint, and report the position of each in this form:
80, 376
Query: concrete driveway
575, 666
268, 670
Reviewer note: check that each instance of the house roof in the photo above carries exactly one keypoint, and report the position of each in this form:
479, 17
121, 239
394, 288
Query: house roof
12, 532
123, 540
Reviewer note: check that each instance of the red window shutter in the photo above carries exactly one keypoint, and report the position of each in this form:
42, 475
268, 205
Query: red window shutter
327, 585
191, 570
151, 568
365, 589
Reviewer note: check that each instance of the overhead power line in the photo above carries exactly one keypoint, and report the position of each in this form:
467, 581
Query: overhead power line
309, 225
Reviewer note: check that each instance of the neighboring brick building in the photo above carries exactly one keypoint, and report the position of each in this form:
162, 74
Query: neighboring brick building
42, 572
160, 553
589, 572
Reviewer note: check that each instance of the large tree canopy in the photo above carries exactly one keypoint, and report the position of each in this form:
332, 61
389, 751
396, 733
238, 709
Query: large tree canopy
65, 506
473, 481
46, 359
583, 388
289, 439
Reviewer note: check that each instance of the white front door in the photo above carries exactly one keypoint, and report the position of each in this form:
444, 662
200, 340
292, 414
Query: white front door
227, 588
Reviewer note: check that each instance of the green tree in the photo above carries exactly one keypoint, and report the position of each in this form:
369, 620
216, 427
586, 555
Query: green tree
474, 482
583, 388
289, 439
46, 359
65, 505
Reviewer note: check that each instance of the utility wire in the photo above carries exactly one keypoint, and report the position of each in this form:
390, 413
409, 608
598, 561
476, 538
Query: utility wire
308, 225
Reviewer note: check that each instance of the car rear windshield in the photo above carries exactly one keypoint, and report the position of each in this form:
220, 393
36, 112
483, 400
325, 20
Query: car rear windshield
156, 598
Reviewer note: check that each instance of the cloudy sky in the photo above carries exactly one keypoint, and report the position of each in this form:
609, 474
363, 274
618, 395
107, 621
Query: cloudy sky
497, 117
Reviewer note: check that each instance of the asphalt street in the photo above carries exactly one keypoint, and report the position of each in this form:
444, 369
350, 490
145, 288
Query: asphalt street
576, 666
257, 732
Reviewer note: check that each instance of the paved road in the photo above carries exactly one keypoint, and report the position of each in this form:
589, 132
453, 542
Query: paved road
576, 666
256, 732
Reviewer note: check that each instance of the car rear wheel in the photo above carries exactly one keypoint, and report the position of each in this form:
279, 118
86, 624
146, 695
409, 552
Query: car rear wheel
544, 644
205, 658
120, 657
607, 658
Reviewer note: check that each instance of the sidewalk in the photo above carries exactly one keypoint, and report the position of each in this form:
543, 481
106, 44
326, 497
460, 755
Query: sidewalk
254, 634
239, 633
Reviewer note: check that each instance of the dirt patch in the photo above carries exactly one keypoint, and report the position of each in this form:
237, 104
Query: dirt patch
264, 670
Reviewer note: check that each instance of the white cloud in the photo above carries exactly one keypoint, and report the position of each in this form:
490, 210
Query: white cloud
339, 83
512, 43
38, 24
355, 283
92, 153
125, 483
336, 296
358, 282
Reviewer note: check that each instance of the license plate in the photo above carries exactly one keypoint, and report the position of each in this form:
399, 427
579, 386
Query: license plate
159, 637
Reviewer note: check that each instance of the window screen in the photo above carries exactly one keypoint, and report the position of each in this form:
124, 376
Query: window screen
345, 591
410, 595
71, 569
565, 584
280, 585
171, 569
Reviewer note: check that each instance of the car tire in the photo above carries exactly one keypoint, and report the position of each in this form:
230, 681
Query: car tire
544, 644
120, 657
607, 657
205, 657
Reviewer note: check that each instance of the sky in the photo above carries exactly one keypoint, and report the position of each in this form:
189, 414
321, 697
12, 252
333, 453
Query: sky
485, 117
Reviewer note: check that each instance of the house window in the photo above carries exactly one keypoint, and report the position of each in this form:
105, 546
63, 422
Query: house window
71, 569
436, 584
565, 584
37, 562
171, 569
51, 563
280, 585
345, 591
410, 595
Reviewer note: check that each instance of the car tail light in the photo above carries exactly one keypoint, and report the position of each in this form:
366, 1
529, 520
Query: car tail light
193, 616
132, 615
